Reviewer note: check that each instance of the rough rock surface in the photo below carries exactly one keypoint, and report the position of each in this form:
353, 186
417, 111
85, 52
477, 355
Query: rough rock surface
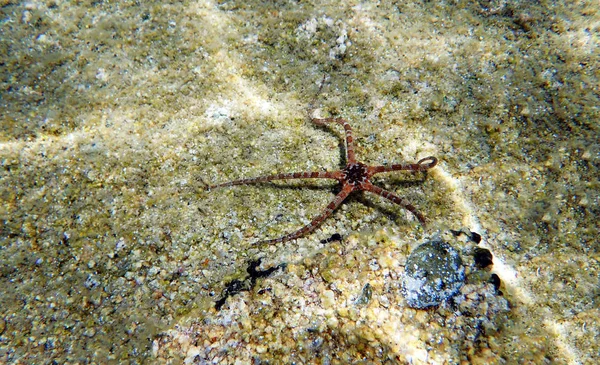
434, 272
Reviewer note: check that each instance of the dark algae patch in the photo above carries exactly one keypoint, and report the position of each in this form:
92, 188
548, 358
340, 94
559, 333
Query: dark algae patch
236, 286
483, 257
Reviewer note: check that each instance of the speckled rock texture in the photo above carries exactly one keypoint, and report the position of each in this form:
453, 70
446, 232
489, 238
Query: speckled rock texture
434, 272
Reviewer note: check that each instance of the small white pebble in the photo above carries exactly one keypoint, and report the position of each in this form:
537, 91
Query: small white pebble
328, 298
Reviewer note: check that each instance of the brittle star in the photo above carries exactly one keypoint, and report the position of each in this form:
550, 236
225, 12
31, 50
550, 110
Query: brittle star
354, 177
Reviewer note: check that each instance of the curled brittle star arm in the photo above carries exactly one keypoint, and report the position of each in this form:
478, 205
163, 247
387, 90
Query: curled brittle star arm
292, 175
396, 199
423, 164
339, 198
350, 157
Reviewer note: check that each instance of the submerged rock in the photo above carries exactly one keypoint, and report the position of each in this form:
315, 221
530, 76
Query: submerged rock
434, 272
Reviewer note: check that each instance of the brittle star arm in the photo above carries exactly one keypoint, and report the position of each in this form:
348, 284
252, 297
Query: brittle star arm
396, 199
293, 175
423, 164
350, 158
339, 198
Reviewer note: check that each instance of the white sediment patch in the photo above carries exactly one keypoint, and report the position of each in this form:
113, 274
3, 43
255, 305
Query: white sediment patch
458, 198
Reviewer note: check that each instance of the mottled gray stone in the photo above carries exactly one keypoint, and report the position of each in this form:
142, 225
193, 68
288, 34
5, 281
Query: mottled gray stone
434, 272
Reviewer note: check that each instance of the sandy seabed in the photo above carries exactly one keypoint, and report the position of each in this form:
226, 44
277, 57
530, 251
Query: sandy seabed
117, 115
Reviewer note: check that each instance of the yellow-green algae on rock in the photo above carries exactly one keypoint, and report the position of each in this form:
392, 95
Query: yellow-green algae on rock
116, 114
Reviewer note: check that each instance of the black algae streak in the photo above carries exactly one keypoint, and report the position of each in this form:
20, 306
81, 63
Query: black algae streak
336, 237
236, 286
232, 288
